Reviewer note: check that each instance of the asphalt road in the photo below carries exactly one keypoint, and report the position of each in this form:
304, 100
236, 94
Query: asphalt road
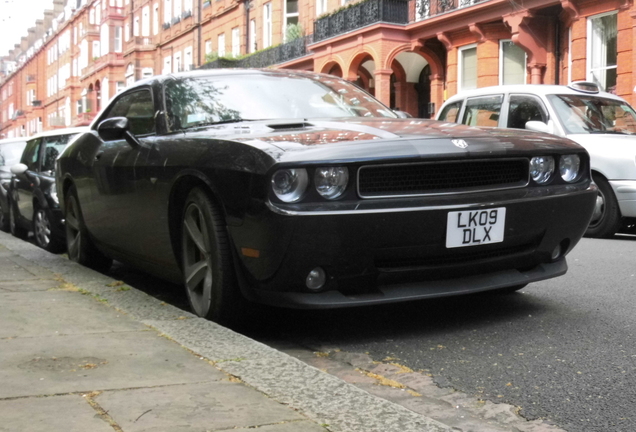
563, 350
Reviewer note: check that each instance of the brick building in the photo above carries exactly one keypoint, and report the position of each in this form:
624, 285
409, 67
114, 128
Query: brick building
411, 54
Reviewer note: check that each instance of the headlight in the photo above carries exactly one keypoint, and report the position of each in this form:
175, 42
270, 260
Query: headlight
569, 166
289, 184
541, 168
331, 182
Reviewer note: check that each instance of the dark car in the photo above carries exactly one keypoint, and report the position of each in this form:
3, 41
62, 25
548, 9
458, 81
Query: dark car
298, 189
10, 152
33, 199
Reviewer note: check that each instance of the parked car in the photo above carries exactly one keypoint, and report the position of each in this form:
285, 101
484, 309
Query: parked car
10, 152
603, 123
33, 199
298, 189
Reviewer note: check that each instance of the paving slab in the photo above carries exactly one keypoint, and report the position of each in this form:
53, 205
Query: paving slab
75, 363
57, 313
68, 413
195, 407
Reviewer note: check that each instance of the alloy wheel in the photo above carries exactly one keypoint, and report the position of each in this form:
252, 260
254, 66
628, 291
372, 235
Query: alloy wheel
197, 259
599, 210
42, 228
73, 233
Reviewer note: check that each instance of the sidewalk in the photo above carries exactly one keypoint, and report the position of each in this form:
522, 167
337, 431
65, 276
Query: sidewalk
78, 352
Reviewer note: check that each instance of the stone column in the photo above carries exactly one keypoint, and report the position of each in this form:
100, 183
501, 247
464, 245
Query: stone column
383, 85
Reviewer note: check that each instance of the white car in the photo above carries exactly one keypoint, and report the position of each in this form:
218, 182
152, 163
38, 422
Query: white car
603, 123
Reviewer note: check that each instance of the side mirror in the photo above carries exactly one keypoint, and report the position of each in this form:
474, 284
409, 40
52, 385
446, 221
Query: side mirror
117, 128
19, 168
538, 126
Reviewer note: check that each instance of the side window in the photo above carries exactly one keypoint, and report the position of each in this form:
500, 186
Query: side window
482, 111
525, 108
450, 112
30, 155
53, 146
138, 108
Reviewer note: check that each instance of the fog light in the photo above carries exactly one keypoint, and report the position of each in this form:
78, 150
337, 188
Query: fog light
556, 253
316, 279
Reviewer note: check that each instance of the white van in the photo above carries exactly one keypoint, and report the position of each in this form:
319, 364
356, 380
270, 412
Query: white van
603, 123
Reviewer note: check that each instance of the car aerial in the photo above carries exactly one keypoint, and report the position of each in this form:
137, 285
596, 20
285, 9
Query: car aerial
10, 152
33, 203
301, 190
603, 123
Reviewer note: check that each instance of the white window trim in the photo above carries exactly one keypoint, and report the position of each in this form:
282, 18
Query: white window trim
588, 48
460, 64
501, 63
267, 24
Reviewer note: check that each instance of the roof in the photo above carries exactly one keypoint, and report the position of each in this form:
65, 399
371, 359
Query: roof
537, 89
13, 140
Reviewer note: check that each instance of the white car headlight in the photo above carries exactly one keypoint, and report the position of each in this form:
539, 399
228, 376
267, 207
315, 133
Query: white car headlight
569, 167
289, 185
331, 182
541, 168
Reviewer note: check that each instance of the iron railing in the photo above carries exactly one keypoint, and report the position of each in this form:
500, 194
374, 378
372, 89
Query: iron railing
430, 8
275, 55
360, 15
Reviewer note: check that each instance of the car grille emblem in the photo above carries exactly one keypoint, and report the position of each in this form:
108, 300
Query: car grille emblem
460, 143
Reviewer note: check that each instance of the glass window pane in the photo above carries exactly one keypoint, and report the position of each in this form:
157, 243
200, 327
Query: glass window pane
483, 111
469, 68
523, 109
603, 51
513, 68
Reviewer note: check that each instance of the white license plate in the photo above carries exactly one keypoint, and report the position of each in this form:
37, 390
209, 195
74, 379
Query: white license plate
475, 227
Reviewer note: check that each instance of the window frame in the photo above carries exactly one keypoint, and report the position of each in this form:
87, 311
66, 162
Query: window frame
501, 62
588, 49
107, 111
460, 66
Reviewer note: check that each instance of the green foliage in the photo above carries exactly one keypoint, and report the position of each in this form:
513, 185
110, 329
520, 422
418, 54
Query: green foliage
293, 32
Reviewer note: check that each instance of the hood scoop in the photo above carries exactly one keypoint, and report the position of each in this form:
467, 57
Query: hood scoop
289, 126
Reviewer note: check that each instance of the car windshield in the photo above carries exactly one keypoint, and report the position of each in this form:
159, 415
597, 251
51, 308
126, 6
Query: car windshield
594, 115
11, 153
201, 101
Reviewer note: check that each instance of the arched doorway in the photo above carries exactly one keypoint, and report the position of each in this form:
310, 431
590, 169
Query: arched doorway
423, 88
98, 96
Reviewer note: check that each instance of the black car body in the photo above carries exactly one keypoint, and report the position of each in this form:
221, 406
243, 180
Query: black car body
10, 153
33, 199
305, 192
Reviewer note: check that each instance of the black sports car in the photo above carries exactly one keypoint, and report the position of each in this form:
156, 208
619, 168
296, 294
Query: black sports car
299, 189
33, 201
10, 152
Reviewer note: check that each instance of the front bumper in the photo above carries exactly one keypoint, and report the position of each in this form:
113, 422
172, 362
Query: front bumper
382, 255
625, 191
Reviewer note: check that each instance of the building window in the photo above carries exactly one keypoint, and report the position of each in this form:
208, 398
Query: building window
177, 8
117, 40
155, 20
187, 59
221, 44
321, 7
136, 27
177, 65
145, 21
252, 47
291, 15
167, 11
130, 75
467, 68
512, 63
267, 25
167, 65
602, 47
236, 42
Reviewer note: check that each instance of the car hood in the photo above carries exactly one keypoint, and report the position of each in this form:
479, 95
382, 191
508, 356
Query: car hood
609, 143
375, 138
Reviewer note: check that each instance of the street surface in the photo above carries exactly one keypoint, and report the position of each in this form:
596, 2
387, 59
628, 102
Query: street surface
562, 350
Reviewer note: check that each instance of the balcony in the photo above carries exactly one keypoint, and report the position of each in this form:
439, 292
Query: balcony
267, 57
84, 119
113, 12
360, 15
140, 43
108, 60
429, 8
30, 79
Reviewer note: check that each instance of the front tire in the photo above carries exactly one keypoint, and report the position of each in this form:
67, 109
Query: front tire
42, 231
80, 247
14, 227
207, 261
606, 219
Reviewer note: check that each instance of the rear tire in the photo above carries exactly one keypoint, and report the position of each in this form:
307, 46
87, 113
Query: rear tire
42, 233
79, 245
208, 270
606, 219
14, 227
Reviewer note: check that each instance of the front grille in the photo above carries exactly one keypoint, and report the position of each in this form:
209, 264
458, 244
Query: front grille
430, 178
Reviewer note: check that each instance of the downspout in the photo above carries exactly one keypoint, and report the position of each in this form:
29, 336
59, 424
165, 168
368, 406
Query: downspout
557, 51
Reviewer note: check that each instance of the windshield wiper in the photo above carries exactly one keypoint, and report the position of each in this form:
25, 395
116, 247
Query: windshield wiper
219, 122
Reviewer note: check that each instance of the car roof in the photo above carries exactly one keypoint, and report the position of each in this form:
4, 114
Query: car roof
55, 132
536, 89
13, 140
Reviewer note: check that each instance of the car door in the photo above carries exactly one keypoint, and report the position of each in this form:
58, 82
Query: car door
25, 183
113, 214
523, 108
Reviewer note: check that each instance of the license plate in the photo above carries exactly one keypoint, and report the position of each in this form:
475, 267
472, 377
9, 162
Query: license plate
475, 227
